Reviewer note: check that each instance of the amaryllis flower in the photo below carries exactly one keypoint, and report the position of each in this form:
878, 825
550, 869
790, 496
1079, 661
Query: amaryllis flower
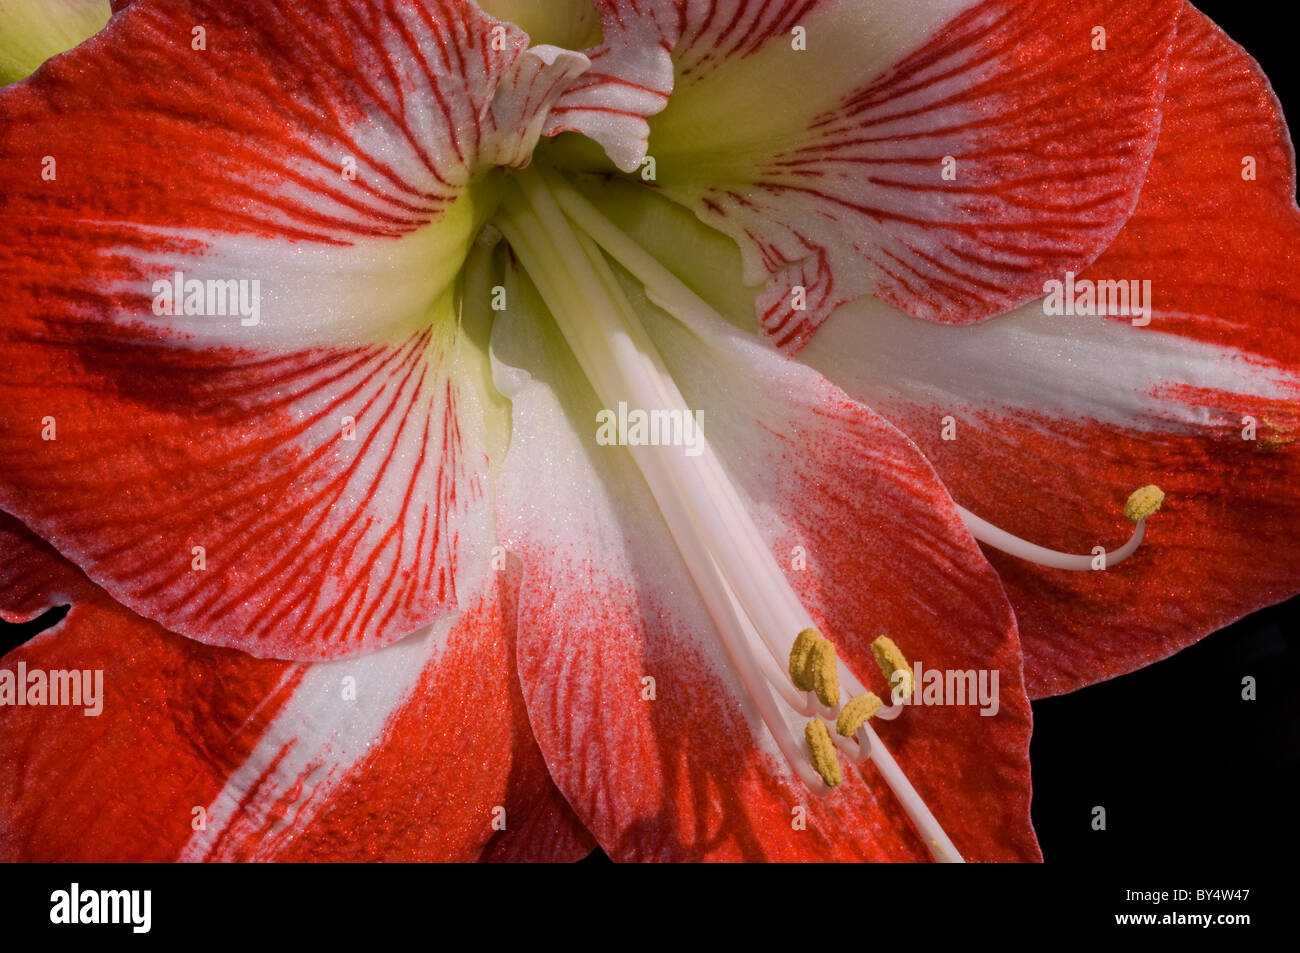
459, 439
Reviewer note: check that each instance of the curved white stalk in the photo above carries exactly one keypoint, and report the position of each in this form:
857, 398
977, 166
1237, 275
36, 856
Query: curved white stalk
999, 538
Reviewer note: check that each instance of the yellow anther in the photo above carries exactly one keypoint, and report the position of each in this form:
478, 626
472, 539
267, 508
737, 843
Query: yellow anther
823, 665
1142, 503
856, 713
893, 666
800, 673
822, 751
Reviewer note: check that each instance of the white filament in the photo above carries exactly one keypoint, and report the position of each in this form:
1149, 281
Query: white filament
999, 538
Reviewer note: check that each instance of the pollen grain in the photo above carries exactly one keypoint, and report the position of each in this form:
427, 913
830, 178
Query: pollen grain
800, 655
1143, 502
857, 712
823, 665
891, 661
822, 752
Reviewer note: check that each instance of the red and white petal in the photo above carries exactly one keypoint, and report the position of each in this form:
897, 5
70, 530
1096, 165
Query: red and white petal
533, 87
1057, 419
541, 826
944, 156
304, 505
320, 437
204, 752
605, 603
631, 79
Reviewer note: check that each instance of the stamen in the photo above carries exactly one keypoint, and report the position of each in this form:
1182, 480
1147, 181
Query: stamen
857, 712
822, 752
1141, 504
893, 666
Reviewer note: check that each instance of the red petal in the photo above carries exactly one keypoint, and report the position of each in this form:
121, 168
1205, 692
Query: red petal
456, 762
1218, 247
542, 826
182, 723
121, 785
1050, 140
